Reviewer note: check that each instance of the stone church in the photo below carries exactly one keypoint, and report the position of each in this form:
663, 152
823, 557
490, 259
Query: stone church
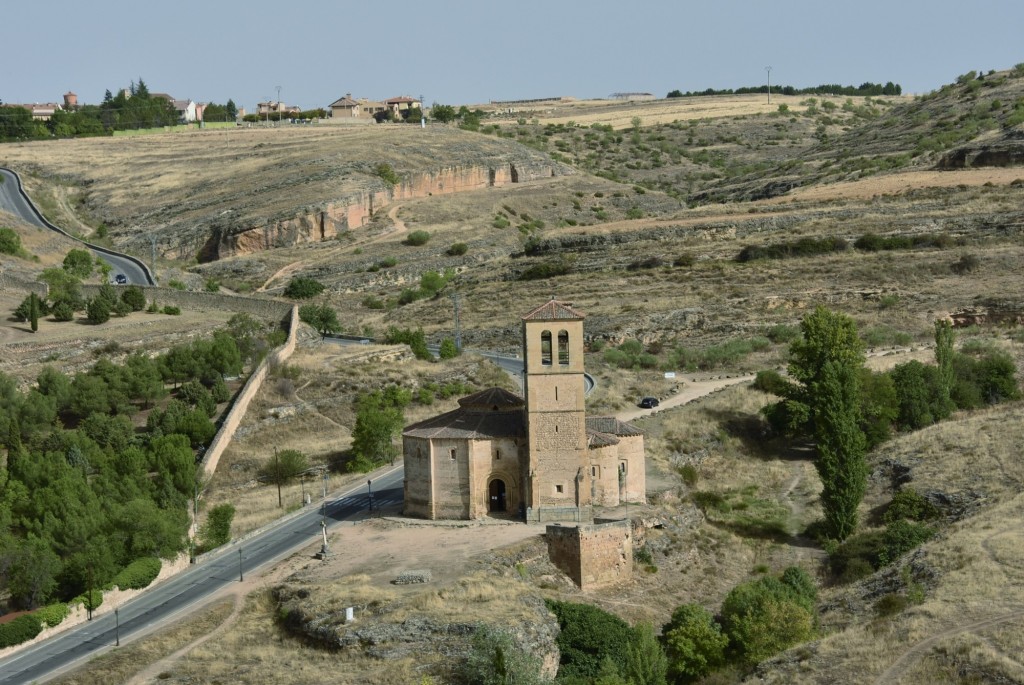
539, 458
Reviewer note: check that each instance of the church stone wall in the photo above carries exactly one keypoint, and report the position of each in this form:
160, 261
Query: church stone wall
592, 555
452, 478
419, 478
631, 452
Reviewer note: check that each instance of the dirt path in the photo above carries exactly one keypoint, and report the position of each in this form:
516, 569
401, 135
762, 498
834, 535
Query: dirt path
692, 390
280, 273
895, 672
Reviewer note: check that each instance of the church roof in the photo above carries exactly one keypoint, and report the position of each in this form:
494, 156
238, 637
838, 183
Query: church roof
553, 310
469, 425
492, 399
611, 426
598, 439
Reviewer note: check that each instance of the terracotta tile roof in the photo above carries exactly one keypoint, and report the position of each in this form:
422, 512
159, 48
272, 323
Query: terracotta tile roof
492, 399
344, 102
462, 424
553, 310
400, 98
612, 426
598, 439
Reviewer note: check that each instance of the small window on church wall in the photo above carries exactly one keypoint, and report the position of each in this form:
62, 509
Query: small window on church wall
452, 453
622, 467
497, 454
563, 348
559, 489
595, 471
556, 393
545, 348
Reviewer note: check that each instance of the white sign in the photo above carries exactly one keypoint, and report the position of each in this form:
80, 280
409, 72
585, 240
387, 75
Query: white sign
670, 374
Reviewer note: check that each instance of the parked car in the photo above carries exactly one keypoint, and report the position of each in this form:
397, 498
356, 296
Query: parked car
120, 279
648, 403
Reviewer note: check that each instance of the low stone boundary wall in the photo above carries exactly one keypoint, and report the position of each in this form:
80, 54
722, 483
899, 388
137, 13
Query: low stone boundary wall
235, 415
200, 302
9, 282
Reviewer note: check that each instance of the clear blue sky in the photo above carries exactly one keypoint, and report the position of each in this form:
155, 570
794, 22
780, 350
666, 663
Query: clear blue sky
459, 52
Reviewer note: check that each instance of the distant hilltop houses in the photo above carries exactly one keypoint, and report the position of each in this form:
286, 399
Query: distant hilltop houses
348, 107
188, 111
45, 110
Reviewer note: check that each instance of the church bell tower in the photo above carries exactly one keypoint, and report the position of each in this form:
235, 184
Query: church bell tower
553, 382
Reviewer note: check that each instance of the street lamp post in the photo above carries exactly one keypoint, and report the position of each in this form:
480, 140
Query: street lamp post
240, 579
369, 493
117, 629
769, 70
278, 104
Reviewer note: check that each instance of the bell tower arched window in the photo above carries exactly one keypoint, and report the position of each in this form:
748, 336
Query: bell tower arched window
545, 348
563, 347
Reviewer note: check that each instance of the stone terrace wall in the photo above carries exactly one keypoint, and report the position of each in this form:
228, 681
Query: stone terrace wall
592, 554
267, 308
11, 282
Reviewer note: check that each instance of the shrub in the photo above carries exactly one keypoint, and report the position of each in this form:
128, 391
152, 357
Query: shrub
217, 529
900, 537
98, 310
177, 285
211, 285
782, 333
371, 302
21, 629
500, 221
303, 288
448, 349
765, 616
966, 264
10, 242
495, 659
417, 238
458, 249
134, 297
387, 174
171, 310
588, 635
685, 260
52, 614
909, 504
138, 574
546, 269
63, 311
804, 247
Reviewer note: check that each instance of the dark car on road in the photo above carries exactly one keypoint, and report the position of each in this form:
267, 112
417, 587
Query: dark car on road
120, 279
648, 403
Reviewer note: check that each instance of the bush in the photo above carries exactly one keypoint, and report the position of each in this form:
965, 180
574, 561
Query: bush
217, 529
417, 238
10, 242
172, 310
52, 615
458, 249
909, 504
387, 174
966, 264
134, 297
303, 288
588, 635
547, 269
766, 616
694, 643
98, 310
900, 537
63, 311
495, 659
138, 574
448, 350
21, 629
804, 247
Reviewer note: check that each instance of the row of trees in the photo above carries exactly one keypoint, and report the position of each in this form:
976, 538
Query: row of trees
846, 409
865, 89
132, 108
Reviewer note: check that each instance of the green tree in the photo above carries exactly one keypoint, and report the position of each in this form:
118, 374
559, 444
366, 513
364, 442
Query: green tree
231, 109
646, 663
98, 310
588, 635
442, 113
10, 241
321, 317
694, 643
448, 349
944, 354
379, 419
216, 531
303, 288
78, 263
286, 465
134, 297
768, 615
827, 363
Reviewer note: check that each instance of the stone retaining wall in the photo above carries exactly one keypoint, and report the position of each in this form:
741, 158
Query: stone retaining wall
267, 308
592, 554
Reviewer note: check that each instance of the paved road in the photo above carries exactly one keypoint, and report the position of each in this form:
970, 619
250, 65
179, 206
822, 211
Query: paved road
14, 200
165, 602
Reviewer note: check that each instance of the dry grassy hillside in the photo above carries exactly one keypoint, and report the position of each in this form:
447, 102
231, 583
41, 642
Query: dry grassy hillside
645, 240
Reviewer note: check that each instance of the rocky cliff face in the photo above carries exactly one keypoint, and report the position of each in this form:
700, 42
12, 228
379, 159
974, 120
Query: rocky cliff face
1006, 151
326, 221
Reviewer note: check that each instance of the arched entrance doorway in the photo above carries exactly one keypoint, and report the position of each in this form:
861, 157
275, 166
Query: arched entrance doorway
496, 496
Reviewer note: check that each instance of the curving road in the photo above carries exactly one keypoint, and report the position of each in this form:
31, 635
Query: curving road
177, 595
13, 199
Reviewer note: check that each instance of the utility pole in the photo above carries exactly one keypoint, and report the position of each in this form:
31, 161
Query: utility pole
279, 108
152, 255
423, 113
458, 326
117, 629
277, 474
239, 564
769, 70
